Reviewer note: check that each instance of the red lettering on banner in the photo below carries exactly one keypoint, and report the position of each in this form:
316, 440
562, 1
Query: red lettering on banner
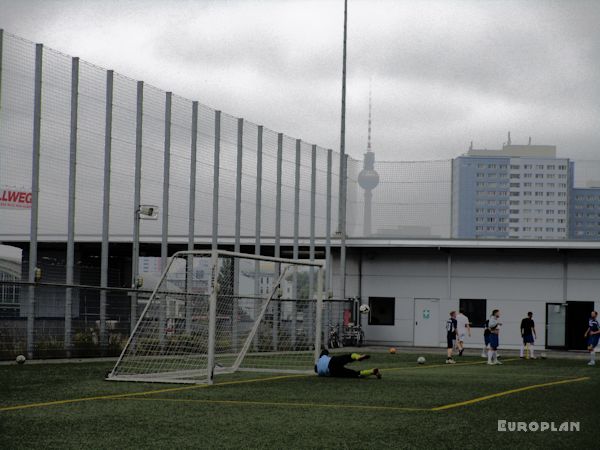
15, 199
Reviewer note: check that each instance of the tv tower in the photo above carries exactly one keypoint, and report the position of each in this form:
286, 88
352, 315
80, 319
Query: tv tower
368, 178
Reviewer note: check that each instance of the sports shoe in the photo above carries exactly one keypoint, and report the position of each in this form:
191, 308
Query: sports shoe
591, 363
450, 361
377, 373
489, 363
498, 363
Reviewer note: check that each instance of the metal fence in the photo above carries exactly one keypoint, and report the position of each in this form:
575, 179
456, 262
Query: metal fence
82, 147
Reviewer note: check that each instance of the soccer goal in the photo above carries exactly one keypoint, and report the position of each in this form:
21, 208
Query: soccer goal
216, 312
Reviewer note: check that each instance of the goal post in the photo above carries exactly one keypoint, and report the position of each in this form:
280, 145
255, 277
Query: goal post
216, 312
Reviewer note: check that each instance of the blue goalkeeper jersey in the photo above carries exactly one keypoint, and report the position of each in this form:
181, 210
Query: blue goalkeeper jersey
323, 365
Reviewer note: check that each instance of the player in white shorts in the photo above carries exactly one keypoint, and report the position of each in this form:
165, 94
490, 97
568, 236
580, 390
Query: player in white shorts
463, 329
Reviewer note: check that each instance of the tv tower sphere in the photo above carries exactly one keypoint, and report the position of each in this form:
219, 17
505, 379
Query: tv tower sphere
368, 178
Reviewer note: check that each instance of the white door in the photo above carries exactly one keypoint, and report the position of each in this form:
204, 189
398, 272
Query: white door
427, 322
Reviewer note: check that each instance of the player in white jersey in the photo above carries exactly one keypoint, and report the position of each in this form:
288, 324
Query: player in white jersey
494, 325
463, 328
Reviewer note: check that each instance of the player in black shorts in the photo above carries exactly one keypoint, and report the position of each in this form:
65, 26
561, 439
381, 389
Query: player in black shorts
528, 334
451, 326
593, 336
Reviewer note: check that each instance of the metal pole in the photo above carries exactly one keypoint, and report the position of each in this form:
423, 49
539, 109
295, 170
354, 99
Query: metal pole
277, 251
343, 165
191, 219
35, 193
257, 223
278, 196
215, 209
319, 314
238, 223
257, 226
71, 207
341, 205
343, 234
106, 208
313, 199
1, 48
295, 249
328, 234
238, 190
164, 245
136, 201
212, 317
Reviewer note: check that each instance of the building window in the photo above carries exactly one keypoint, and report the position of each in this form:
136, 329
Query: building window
382, 310
475, 310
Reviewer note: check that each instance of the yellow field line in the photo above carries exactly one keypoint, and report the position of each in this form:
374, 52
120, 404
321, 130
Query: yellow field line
363, 407
511, 391
301, 405
133, 394
442, 365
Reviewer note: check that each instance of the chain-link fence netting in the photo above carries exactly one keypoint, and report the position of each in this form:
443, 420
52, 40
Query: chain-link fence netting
99, 145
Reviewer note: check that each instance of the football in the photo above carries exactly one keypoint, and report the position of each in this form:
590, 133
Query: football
392, 350
421, 360
20, 359
364, 309
543, 355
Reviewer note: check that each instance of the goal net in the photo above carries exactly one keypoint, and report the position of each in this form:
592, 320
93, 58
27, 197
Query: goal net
216, 312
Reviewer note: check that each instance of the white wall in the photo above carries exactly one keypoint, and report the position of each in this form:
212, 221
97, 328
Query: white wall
513, 281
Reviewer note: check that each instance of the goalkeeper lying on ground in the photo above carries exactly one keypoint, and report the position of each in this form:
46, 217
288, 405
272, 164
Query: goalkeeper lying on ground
333, 366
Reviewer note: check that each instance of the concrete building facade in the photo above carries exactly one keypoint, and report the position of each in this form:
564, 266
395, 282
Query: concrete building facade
412, 286
519, 192
584, 213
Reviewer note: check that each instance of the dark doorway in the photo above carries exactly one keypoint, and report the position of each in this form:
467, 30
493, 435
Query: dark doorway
578, 314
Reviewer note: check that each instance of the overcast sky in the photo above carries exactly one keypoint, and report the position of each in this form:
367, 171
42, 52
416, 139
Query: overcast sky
443, 73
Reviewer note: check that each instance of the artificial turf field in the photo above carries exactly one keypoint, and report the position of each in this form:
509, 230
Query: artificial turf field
431, 406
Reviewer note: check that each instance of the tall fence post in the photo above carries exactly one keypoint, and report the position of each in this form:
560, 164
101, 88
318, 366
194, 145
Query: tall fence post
164, 245
136, 202
1, 49
35, 194
216, 162
106, 210
277, 251
257, 220
295, 248
328, 224
238, 225
191, 220
311, 255
71, 208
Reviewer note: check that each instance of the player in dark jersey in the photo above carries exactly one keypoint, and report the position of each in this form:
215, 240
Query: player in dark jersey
593, 335
528, 334
451, 326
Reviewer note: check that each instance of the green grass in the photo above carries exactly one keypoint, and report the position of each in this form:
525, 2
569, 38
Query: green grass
267, 414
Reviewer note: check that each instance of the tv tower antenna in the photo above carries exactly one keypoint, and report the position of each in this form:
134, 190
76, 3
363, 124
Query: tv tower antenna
370, 110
